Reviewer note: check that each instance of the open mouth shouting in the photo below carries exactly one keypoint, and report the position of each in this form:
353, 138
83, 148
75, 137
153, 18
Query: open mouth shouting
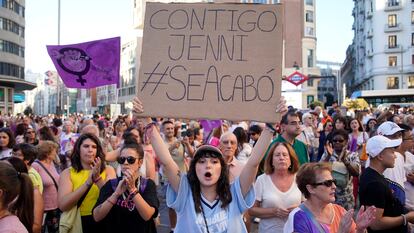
208, 175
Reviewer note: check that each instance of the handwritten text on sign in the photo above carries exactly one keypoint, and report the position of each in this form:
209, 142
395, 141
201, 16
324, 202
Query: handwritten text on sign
211, 61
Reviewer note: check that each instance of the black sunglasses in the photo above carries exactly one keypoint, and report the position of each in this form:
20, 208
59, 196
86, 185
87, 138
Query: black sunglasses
327, 183
338, 141
129, 159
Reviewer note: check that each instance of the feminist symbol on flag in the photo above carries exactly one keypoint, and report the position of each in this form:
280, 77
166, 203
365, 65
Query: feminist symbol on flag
74, 61
88, 64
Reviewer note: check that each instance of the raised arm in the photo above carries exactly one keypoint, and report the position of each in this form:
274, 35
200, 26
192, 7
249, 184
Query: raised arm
249, 172
161, 150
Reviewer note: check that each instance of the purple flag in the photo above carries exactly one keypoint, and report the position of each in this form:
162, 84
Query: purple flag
87, 65
209, 125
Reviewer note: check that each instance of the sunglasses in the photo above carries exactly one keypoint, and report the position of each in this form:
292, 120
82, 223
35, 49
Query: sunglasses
338, 141
129, 159
327, 183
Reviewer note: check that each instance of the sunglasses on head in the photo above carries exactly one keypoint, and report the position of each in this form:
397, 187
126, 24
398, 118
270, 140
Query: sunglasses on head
129, 159
327, 183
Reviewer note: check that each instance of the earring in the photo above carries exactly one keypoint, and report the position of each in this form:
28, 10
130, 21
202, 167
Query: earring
290, 167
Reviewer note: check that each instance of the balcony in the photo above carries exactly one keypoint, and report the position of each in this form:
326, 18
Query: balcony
398, 27
393, 5
369, 14
369, 53
396, 49
370, 33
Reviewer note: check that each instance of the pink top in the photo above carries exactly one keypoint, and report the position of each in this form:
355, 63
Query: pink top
214, 142
11, 224
50, 199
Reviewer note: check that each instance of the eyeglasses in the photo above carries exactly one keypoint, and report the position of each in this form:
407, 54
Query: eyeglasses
327, 183
129, 159
408, 139
338, 140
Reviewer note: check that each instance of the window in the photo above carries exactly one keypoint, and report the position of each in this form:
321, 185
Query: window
392, 61
309, 2
392, 41
393, 2
1, 94
310, 99
392, 83
412, 59
392, 20
309, 31
410, 81
412, 17
412, 38
310, 82
310, 57
309, 16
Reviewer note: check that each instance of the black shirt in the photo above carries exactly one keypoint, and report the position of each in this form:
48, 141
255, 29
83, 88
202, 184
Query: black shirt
124, 217
374, 190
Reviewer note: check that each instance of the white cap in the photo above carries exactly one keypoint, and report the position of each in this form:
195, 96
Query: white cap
388, 128
378, 143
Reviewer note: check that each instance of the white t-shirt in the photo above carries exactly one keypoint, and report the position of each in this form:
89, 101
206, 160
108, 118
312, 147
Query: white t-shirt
270, 196
6, 153
397, 173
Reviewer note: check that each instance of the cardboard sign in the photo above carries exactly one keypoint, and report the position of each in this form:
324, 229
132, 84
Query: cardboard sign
211, 61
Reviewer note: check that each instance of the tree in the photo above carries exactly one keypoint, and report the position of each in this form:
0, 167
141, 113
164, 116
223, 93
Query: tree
317, 103
355, 104
28, 111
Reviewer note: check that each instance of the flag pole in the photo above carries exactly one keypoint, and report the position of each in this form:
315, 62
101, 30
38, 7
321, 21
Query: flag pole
57, 79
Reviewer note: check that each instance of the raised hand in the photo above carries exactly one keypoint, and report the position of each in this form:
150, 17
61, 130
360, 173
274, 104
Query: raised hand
138, 109
130, 179
121, 188
96, 168
346, 222
365, 217
281, 107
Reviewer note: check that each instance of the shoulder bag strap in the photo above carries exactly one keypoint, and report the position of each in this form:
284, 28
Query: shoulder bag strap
312, 218
83, 196
44, 168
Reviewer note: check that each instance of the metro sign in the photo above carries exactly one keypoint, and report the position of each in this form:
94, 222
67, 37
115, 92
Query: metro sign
297, 78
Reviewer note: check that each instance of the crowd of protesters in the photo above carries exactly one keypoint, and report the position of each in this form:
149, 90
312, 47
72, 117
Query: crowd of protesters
315, 170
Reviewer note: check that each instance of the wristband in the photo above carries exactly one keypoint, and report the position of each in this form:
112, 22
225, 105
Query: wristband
88, 184
404, 219
132, 194
97, 179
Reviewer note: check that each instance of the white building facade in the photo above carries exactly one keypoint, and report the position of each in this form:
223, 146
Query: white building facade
383, 50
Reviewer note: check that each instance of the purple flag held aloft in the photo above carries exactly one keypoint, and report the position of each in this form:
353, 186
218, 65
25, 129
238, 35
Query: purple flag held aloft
209, 125
87, 65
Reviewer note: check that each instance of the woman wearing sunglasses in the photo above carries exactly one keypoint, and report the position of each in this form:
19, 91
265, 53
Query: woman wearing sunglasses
318, 214
128, 203
82, 181
345, 165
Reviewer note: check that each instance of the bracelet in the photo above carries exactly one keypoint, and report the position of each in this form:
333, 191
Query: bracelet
97, 179
269, 126
88, 184
404, 219
133, 194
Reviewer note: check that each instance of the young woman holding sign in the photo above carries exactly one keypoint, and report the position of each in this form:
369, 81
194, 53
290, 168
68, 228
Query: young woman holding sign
204, 199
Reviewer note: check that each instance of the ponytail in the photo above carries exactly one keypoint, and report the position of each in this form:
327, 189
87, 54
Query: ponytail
23, 208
